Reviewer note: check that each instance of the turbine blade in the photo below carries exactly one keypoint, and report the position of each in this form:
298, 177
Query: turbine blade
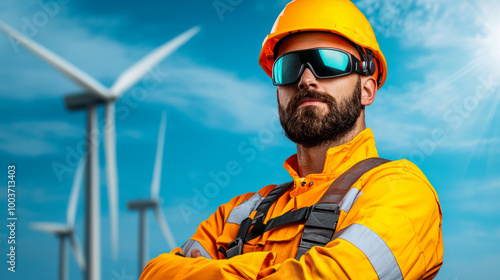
53, 228
111, 174
75, 74
155, 184
77, 250
132, 75
75, 193
164, 227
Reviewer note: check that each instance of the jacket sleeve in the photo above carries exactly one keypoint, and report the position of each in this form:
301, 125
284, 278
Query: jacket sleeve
172, 266
392, 231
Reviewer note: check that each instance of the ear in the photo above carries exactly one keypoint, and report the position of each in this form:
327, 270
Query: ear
277, 96
368, 90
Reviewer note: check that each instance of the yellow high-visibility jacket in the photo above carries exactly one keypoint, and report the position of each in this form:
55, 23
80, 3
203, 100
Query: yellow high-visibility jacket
389, 228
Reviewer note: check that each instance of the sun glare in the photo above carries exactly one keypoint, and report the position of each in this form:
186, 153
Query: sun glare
488, 44
490, 47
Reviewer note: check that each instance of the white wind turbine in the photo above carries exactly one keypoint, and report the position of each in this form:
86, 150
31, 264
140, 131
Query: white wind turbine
143, 205
64, 231
96, 94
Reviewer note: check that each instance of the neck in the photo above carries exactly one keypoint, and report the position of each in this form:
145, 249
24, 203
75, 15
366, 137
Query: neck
312, 160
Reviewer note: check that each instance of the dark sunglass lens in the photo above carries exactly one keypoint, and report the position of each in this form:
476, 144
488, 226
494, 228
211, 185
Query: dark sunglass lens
286, 69
330, 63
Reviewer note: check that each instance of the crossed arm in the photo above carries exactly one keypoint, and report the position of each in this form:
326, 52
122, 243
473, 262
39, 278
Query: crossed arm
395, 235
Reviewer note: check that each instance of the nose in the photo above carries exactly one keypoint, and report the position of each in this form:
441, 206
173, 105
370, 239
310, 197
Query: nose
308, 80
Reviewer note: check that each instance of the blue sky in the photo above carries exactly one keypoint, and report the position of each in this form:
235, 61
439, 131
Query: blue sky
438, 108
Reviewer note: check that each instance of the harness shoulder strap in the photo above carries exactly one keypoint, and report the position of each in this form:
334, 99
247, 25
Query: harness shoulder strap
322, 221
272, 197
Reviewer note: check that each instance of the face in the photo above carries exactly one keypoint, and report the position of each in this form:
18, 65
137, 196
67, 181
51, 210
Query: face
316, 111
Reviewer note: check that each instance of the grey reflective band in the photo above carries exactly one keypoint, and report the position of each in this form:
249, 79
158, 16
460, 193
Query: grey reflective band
190, 245
375, 249
349, 199
242, 211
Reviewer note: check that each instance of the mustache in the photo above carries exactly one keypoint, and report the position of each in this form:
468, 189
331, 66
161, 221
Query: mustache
309, 93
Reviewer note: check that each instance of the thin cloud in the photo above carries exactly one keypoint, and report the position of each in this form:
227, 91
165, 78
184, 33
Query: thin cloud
35, 138
219, 99
480, 196
420, 23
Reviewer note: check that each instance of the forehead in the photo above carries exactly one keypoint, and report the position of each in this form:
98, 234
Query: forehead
310, 40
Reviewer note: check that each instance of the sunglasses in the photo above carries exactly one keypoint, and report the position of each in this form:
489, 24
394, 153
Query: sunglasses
323, 63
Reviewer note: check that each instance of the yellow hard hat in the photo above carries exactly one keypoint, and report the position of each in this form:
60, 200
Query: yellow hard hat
341, 17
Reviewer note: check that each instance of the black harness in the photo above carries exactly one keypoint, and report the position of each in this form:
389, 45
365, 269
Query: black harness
320, 219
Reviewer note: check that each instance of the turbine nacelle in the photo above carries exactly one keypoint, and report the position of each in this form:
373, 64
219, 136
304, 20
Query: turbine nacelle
82, 101
142, 204
57, 229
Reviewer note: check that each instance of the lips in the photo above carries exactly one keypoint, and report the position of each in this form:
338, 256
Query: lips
309, 101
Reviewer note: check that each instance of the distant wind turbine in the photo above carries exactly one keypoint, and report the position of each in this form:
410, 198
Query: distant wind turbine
64, 231
96, 94
143, 205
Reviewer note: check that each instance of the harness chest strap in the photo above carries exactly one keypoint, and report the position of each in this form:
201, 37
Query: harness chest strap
320, 219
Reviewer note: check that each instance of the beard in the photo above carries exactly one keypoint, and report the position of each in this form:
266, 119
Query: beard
310, 127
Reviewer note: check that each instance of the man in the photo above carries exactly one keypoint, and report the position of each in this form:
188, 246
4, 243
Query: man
326, 62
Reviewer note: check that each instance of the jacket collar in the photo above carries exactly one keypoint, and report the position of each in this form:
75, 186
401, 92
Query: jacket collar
338, 159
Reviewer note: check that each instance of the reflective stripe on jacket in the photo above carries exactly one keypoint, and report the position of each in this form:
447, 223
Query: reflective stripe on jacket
389, 228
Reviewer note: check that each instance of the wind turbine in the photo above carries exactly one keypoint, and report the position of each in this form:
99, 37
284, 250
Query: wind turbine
64, 231
143, 205
96, 94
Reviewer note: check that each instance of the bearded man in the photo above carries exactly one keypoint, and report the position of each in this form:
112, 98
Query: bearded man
347, 214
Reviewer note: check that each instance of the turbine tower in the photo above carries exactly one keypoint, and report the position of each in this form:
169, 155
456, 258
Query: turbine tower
143, 205
67, 231
94, 95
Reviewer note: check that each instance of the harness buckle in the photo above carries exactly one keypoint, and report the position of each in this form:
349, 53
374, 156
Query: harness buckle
234, 248
323, 215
